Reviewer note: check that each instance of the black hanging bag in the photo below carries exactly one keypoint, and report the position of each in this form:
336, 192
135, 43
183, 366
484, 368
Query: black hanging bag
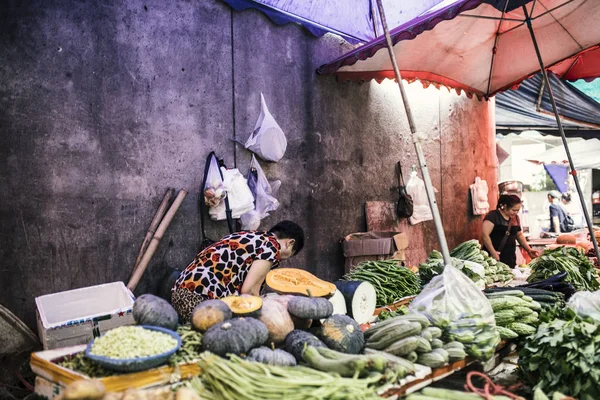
404, 208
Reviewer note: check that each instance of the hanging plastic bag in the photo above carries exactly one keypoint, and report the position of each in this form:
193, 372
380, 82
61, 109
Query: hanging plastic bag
265, 202
416, 190
453, 303
238, 193
267, 140
479, 197
586, 305
214, 189
404, 207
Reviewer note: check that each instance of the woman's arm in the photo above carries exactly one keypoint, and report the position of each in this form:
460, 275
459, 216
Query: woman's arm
523, 242
256, 276
486, 230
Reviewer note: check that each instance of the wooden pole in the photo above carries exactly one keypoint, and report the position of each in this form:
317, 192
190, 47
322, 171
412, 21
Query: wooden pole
160, 213
137, 275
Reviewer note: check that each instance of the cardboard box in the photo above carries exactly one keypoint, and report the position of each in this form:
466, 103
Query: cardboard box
373, 246
77, 316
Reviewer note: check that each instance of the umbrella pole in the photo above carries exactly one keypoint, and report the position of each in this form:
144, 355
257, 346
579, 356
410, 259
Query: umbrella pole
562, 132
420, 156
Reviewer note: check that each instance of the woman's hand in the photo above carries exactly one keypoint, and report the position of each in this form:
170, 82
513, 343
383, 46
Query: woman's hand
495, 255
533, 253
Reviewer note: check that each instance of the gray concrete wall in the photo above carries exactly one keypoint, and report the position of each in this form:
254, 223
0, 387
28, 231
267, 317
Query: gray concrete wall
103, 105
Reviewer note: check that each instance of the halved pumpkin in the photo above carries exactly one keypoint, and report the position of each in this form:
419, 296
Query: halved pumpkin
298, 281
244, 306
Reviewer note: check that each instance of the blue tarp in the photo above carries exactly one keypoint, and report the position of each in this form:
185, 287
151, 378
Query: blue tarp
559, 175
350, 19
517, 110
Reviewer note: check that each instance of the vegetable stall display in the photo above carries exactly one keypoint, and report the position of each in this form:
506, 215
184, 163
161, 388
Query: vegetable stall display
495, 271
580, 272
391, 281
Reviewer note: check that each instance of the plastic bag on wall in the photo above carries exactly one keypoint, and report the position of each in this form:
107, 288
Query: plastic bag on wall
265, 200
416, 189
214, 188
479, 197
268, 140
240, 197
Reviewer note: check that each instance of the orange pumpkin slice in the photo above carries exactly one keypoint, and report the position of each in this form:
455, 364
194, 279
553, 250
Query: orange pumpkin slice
244, 305
298, 281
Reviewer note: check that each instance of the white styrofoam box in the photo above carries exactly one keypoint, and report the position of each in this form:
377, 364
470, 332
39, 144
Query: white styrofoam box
77, 316
46, 388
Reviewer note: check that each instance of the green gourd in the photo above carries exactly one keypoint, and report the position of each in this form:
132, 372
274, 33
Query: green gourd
152, 310
269, 356
236, 336
310, 308
342, 333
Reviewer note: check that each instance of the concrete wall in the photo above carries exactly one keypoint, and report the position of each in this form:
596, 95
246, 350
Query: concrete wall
103, 105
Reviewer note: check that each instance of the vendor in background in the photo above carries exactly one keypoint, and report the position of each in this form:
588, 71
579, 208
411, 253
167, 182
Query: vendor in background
572, 209
502, 229
558, 215
237, 264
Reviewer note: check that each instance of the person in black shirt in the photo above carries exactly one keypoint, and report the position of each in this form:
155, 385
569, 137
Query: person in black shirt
502, 229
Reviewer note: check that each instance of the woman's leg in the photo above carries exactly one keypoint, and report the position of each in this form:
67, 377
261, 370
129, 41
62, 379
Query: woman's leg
184, 301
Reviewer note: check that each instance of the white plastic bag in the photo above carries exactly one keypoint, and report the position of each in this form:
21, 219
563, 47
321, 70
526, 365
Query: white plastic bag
421, 210
453, 303
479, 197
268, 140
240, 198
586, 304
264, 202
214, 190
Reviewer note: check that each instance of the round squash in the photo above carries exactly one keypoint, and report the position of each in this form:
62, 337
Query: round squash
299, 323
343, 334
298, 340
298, 281
152, 310
235, 336
269, 356
244, 305
277, 319
209, 313
310, 308
261, 332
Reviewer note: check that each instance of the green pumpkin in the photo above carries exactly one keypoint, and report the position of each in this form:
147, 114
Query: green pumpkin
310, 308
152, 310
343, 334
235, 336
296, 342
269, 356
209, 313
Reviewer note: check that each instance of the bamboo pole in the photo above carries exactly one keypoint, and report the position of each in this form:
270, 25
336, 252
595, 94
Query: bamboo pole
164, 224
160, 213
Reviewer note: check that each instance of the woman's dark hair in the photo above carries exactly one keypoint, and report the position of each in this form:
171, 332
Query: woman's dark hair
509, 200
289, 230
566, 197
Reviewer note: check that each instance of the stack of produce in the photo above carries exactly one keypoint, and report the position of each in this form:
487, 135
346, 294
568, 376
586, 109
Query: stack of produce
434, 266
412, 336
547, 299
495, 271
392, 281
516, 313
563, 356
580, 272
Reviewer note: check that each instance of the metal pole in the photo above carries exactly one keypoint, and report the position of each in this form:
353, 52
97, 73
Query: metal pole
422, 163
562, 132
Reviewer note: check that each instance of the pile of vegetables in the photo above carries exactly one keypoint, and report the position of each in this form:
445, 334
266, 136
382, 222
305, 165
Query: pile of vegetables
243, 380
191, 346
392, 281
556, 283
580, 272
412, 336
495, 271
434, 266
127, 342
517, 314
563, 356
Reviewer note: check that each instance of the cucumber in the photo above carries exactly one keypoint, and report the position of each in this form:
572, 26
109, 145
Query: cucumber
437, 344
534, 305
454, 345
514, 293
436, 332
403, 362
442, 353
465, 336
412, 357
427, 334
447, 394
393, 335
528, 298
404, 347
432, 360
423, 345
456, 354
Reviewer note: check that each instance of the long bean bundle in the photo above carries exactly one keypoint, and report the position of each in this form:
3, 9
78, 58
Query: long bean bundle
237, 379
391, 281
580, 271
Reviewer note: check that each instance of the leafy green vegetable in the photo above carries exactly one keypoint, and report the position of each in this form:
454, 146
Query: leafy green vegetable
580, 271
563, 355
387, 314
